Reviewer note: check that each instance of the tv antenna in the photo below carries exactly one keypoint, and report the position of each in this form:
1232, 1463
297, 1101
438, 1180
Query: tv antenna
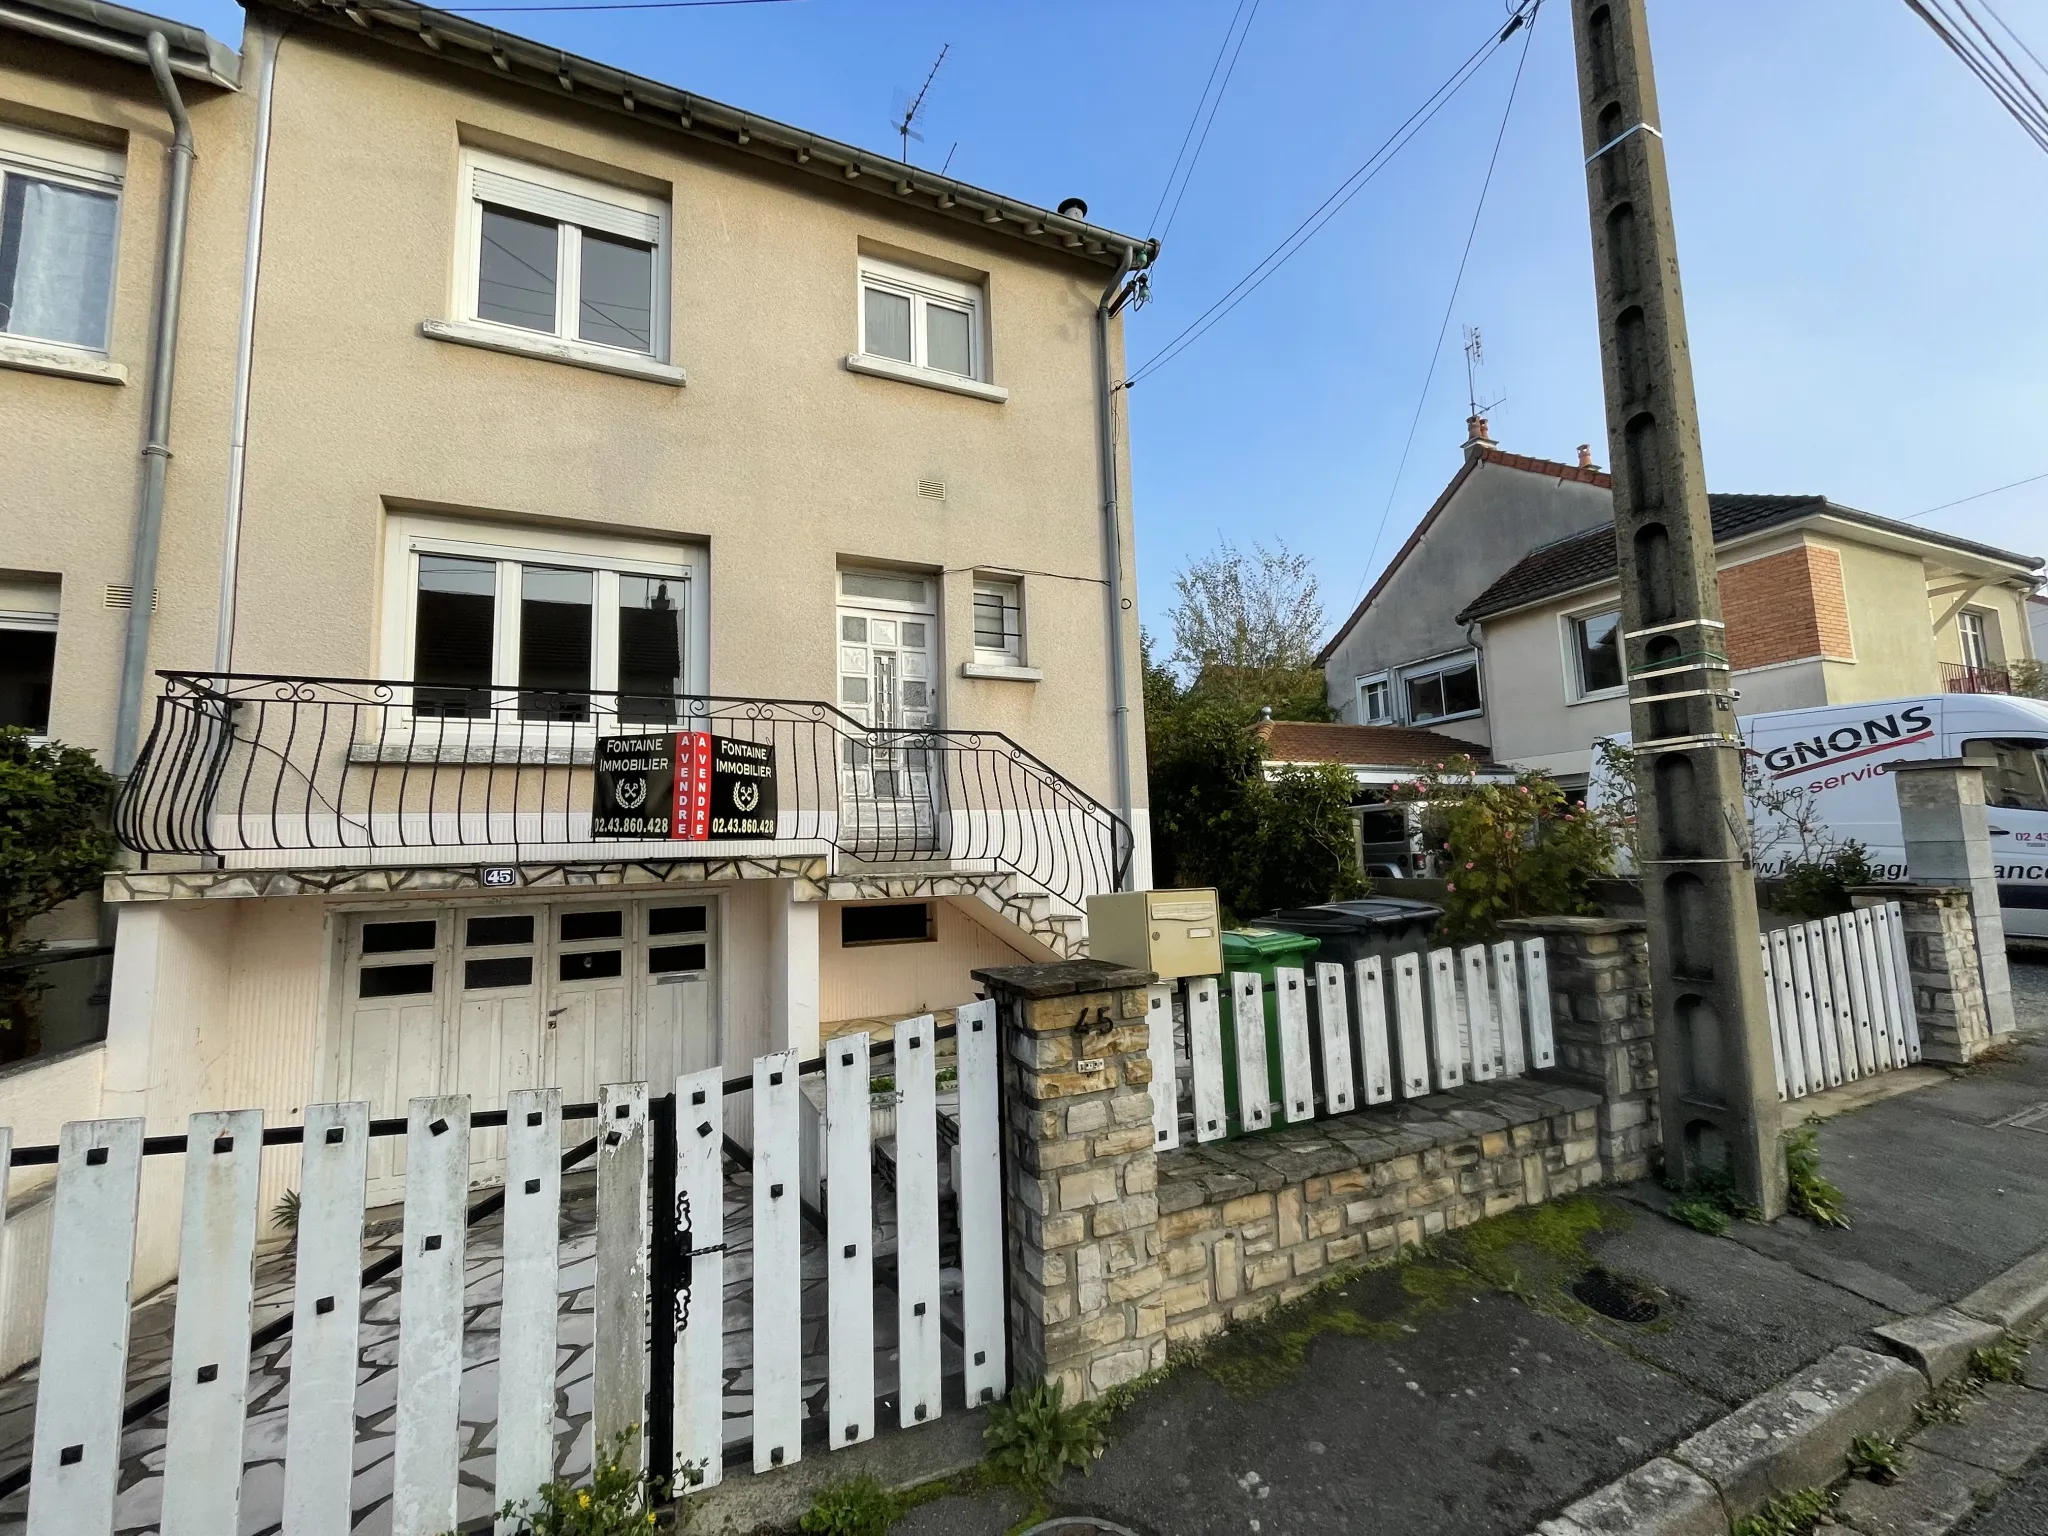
1475, 359
910, 106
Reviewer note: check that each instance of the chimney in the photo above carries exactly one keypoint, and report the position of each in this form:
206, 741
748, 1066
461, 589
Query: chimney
1586, 456
1475, 436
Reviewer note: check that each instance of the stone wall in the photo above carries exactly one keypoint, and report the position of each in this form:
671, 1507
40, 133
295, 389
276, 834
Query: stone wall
1600, 1015
1941, 954
1248, 1225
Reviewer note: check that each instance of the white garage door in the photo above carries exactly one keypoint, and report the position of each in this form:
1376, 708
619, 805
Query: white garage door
485, 1000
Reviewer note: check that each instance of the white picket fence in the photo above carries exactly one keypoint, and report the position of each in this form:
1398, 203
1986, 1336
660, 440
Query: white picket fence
77, 1455
1840, 998
1404, 1026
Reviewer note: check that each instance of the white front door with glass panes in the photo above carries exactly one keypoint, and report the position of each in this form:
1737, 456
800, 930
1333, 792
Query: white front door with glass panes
887, 681
488, 999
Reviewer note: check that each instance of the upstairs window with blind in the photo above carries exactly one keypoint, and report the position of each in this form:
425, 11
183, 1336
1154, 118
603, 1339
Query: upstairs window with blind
554, 254
60, 212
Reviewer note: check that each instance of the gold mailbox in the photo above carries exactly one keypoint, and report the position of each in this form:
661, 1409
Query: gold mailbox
1170, 933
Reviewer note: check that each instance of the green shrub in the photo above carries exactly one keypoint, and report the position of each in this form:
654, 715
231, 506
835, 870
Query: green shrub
1508, 850
55, 843
1819, 887
1034, 1437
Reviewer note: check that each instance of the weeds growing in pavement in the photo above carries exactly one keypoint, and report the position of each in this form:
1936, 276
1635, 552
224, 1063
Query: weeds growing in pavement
1806, 1192
1709, 1203
853, 1506
1035, 1436
2000, 1361
620, 1501
1876, 1457
1791, 1514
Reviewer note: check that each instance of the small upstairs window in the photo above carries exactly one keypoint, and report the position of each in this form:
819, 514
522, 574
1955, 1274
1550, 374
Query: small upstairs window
60, 210
1596, 637
1375, 700
998, 621
921, 319
561, 255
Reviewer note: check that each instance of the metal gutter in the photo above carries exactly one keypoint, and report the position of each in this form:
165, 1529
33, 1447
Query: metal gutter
120, 33
1112, 537
269, 41
156, 451
473, 45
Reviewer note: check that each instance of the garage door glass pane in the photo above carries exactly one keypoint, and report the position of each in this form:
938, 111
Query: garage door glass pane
591, 965
396, 980
675, 957
486, 931
676, 920
593, 925
498, 971
389, 938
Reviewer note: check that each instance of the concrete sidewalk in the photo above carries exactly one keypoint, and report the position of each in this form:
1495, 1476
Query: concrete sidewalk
1473, 1392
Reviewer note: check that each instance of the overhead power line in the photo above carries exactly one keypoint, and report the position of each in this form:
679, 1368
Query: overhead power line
1457, 282
2010, 485
1174, 212
1195, 121
1332, 205
1970, 39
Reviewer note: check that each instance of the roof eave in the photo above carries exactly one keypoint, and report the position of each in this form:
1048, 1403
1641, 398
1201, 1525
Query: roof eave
121, 33
473, 45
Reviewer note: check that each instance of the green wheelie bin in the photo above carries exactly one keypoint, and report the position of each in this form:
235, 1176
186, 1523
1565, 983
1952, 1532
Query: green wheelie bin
1261, 951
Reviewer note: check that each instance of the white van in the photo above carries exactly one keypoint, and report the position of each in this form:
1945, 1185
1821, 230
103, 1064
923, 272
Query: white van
1834, 757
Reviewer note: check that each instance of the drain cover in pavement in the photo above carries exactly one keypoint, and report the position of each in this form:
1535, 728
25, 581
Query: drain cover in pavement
1615, 1296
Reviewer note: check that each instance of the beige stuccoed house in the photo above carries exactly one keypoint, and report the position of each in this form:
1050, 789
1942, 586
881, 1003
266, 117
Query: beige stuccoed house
522, 405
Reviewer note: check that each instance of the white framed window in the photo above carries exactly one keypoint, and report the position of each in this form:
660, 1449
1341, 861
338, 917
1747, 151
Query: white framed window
1594, 642
1975, 638
1375, 700
548, 254
998, 621
60, 218
922, 328
1444, 689
540, 626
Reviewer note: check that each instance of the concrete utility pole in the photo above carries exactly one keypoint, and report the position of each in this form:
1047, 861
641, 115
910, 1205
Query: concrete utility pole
1716, 1086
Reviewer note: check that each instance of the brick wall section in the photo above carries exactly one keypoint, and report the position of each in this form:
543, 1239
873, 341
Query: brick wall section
1600, 1017
1248, 1225
1941, 954
1787, 607
1082, 1214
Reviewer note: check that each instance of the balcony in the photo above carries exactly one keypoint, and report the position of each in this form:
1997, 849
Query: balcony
270, 772
1961, 677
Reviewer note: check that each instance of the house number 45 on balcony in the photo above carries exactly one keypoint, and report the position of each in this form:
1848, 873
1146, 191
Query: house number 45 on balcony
683, 786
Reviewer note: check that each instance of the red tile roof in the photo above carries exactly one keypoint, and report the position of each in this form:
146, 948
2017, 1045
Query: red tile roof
1362, 746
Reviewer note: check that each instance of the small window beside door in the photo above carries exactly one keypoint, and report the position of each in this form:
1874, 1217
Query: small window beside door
998, 621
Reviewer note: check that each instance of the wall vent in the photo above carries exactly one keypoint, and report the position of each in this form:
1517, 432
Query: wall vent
932, 490
121, 594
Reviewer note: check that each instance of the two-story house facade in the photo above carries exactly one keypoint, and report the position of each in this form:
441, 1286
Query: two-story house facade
1498, 620
525, 405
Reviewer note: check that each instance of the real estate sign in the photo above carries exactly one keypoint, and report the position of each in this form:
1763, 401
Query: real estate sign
683, 786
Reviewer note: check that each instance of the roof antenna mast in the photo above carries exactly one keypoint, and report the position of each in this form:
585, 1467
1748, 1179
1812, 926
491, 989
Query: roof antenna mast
912, 105
1475, 359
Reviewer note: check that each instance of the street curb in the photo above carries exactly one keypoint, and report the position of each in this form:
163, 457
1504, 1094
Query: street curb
1797, 1434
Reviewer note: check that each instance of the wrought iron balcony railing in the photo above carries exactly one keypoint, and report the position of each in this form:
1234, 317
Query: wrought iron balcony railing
271, 771
1961, 677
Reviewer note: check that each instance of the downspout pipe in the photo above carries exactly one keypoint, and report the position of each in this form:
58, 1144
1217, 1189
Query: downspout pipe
1113, 542
156, 449
238, 440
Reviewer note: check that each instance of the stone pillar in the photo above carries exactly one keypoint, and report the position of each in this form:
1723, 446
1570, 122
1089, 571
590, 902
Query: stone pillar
1941, 957
1605, 1032
1948, 842
1082, 1219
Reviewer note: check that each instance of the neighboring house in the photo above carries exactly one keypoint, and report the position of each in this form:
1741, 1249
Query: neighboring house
568, 405
1824, 605
1402, 657
2037, 624
1498, 620
1378, 757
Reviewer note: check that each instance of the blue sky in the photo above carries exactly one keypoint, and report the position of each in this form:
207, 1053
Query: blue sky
1862, 237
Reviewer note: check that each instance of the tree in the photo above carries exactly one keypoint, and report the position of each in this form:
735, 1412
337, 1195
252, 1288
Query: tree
1256, 612
55, 844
